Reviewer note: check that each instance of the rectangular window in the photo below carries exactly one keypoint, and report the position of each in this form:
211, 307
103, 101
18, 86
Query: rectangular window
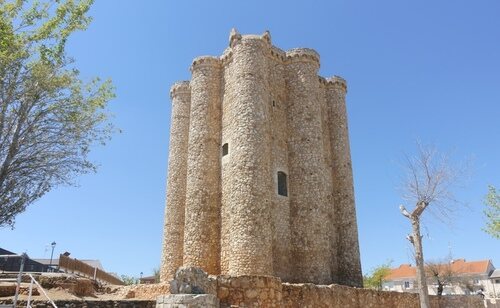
225, 149
282, 185
407, 284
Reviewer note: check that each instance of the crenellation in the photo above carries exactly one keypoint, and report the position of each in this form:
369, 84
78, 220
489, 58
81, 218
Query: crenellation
179, 88
227, 56
337, 81
234, 38
265, 161
205, 61
302, 54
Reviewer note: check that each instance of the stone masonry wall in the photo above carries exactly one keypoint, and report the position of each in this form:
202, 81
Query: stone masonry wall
272, 113
246, 180
335, 296
249, 291
280, 207
267, 291
202, 226
308, 196
87, 303
348, 268
173, 240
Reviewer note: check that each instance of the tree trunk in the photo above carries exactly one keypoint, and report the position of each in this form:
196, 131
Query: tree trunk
419, 260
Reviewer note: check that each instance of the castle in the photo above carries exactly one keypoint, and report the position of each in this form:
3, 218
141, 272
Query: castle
259, 176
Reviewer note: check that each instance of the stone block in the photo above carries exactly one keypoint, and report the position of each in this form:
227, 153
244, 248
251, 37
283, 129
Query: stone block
193, 280
189, 301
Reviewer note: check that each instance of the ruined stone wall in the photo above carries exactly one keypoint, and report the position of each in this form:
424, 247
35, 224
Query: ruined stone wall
271, 112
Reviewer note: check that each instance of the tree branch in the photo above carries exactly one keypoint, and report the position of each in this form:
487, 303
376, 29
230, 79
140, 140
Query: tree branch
403, 211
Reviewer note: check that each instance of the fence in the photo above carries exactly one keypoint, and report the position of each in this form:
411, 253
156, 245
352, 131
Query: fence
73, 265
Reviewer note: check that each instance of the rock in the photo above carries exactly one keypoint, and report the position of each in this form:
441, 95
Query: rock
193, 280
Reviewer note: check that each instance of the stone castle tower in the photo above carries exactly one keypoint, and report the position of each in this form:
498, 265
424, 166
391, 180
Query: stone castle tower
259, 176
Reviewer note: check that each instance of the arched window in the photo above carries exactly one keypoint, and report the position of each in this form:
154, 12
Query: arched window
282, 185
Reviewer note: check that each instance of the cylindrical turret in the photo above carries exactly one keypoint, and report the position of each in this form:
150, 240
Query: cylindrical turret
173, 242
202, 227
348, 261
246, 174
308, 170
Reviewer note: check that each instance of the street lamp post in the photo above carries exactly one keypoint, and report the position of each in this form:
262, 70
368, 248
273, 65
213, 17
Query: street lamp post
53, 244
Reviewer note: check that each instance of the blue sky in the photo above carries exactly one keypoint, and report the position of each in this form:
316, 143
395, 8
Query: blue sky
426, 70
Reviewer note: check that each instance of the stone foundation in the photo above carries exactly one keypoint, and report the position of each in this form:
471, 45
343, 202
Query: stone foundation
267, 291
249, 291
188, 301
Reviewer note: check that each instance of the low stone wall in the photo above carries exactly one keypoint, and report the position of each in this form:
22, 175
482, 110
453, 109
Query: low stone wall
88, 304
249, 291
10, 290
336, 296
267, 291
457, 301
147, 291
187, 301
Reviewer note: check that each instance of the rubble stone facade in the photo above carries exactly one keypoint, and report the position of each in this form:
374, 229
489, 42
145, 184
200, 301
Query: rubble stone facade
260, 178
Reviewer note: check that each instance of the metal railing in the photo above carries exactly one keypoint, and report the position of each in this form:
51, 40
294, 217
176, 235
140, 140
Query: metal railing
23, 257
28, 305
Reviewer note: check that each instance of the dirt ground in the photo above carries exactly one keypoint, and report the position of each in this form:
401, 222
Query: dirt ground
69, 287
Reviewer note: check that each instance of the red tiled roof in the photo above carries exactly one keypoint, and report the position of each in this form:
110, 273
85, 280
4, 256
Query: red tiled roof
472, 267
403, 271
459, 266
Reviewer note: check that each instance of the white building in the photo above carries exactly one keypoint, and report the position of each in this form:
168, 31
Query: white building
457, 277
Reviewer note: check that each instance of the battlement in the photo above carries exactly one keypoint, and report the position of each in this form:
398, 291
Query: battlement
302, 54
204, 61
179, 88
236, 38
337, 81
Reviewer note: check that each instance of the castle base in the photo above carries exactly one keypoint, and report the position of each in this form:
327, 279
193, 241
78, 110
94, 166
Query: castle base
267, 291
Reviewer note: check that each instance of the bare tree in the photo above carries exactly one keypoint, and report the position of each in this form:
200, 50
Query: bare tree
441, 273
428, 183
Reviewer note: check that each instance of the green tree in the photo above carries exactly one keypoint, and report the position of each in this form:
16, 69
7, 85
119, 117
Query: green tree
492, 212
129, 280
377, 276
49, 117
156, 274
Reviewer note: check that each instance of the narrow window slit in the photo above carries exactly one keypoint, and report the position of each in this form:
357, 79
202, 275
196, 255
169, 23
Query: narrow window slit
225, 149
282, 185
